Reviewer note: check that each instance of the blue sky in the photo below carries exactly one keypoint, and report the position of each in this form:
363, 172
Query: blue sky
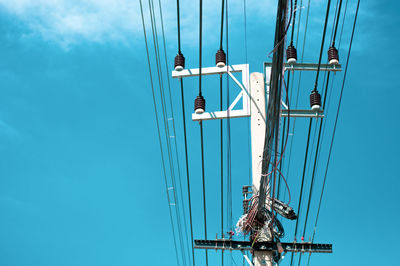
80, 175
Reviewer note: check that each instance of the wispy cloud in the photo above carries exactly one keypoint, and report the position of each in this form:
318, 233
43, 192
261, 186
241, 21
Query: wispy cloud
69, 22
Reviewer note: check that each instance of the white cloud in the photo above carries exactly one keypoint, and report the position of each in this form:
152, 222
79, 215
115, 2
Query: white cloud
68, 22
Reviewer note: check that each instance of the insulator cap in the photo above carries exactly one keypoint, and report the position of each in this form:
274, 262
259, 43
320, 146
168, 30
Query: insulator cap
199, 105
291, 54
333, 55
220, 58
179, 62
315, 100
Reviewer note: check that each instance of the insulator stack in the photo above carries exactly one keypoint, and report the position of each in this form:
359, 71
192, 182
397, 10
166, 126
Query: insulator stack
245, 190
291, 54
179, 62
333, 55
199, 105
245, 206
220, 58
315, 100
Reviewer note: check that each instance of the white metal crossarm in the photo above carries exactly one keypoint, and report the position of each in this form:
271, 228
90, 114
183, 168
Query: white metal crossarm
309, 67
303, 67
243, 94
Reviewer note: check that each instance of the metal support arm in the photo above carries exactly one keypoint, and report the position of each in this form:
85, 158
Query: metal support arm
227, 244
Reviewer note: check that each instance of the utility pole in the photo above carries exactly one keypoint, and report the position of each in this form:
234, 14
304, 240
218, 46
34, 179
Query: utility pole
258, 125
261, 98
252, 93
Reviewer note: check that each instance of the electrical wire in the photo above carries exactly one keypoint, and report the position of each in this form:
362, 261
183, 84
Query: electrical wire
287, 100
173, 128
337, 116
187, 169
228, 126
310, 124
179, 26
185, 140
222, 136
159, 134
322, 44
166, 127
319, 133
298, 85
201, 126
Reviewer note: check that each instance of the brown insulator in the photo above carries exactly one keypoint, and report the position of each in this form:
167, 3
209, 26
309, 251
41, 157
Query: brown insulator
179, 62
220, 58
333, 55
199, 104
315, 100
291, 54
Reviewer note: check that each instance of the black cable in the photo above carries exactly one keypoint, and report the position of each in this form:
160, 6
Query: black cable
309, 129
187, 169
246, 61
290, 88
337, 116
204, 185
322, 44
287, 99
222, 25
274, 104
179, 26
222, 166
319, 133
301, 187
221, 136
173, 128
337, 21
221, 131
228, 129
201, 125
200, 42
294, 21
159, 134
166, 127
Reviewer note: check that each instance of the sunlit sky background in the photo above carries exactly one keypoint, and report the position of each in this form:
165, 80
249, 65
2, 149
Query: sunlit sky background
81, 181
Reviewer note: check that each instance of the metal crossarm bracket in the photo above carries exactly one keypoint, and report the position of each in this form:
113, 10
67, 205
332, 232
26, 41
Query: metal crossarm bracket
302, 113
227, 244
309, 67
303, 67
243, 94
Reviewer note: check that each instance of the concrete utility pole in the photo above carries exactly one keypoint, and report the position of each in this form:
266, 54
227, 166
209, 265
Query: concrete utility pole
257, 118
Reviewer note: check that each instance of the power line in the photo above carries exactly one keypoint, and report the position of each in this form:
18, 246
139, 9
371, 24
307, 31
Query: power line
221, 135
310, 124
173, 127
228, 130
187, 169
337, 116
159, 135
166, 127
185, 138
319, 133
201, 125
298, 85
287, 99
